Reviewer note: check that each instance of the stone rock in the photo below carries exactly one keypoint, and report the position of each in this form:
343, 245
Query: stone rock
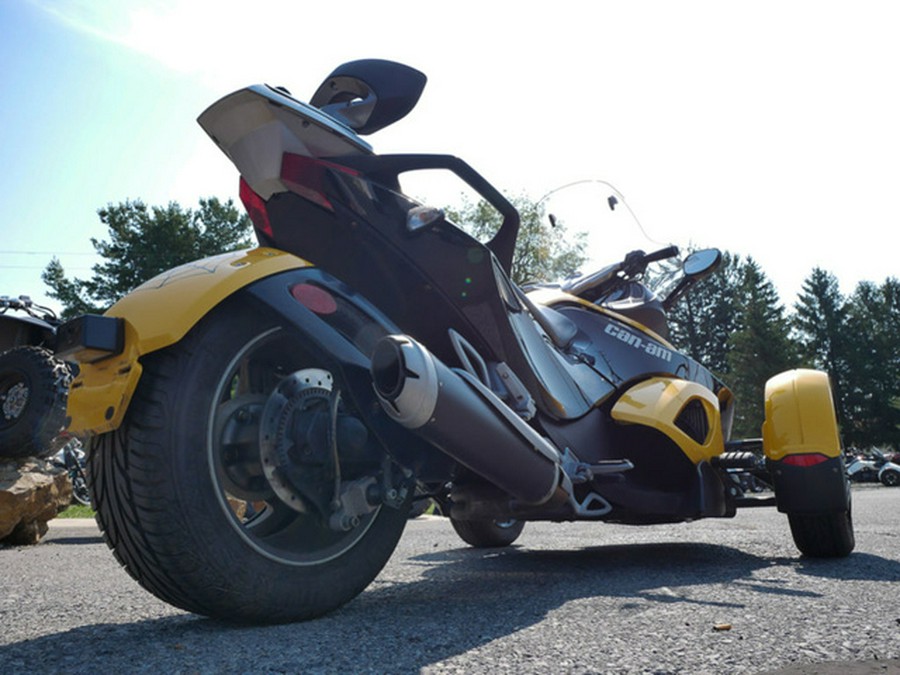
32, 492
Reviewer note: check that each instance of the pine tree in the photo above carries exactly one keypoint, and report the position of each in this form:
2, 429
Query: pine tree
702, 320
822, 330
760, 347
873, 384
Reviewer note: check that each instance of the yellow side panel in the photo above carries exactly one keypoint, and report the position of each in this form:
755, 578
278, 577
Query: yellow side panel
800, 415
157, 314
657, 402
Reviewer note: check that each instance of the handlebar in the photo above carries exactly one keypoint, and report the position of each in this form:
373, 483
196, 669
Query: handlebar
25, 304
661, 254
635, 264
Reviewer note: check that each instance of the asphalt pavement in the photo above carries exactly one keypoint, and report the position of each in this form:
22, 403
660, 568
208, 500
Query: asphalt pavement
716, 596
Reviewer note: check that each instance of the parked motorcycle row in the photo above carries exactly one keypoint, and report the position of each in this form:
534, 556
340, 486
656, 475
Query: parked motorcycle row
261, 422
873, 466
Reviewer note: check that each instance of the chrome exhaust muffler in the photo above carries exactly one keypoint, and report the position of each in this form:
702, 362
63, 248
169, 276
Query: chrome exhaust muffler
456, 413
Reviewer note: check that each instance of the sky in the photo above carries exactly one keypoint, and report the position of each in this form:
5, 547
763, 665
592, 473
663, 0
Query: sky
766, 128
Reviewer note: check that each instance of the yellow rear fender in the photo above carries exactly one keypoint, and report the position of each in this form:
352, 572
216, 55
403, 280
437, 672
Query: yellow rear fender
800, 417
156, 315
686, 412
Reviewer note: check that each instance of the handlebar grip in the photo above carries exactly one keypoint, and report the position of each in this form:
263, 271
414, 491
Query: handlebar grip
662, 254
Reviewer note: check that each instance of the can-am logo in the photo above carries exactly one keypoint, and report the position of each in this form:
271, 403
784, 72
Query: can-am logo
636, 341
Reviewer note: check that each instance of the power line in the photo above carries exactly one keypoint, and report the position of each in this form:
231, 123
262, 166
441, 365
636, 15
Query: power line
38, 267
8, 252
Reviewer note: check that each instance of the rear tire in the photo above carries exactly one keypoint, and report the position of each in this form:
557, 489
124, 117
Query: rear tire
488, 533
183, 501
827, 535
33, 390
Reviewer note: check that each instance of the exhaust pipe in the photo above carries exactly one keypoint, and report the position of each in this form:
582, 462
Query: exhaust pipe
463, 418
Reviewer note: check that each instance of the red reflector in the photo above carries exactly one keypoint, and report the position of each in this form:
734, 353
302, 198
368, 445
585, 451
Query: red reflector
256, 209
804, 460
315, 299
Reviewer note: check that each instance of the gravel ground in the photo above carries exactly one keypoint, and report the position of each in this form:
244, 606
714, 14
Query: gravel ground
717, 596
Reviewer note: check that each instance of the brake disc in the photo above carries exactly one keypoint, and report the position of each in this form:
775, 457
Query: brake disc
294, 440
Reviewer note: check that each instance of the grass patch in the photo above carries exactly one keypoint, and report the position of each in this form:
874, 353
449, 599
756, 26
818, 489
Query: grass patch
77, 511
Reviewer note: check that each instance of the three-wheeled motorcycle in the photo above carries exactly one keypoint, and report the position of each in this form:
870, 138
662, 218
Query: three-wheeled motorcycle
260, 421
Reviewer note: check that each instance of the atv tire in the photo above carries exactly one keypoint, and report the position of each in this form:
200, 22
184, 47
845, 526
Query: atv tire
488, 533
33, 389
827, 535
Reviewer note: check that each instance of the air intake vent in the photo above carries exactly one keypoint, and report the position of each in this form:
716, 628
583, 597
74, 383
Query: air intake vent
694, 421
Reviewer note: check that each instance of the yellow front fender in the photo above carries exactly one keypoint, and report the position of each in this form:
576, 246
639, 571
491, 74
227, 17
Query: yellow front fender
157, 314
800, 417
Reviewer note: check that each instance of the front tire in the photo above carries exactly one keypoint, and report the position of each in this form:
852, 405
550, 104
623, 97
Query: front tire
827, 535
33, 390
890, 478
186, 505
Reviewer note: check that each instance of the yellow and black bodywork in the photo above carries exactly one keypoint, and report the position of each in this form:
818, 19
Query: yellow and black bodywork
663, 412
285, 403
608, 387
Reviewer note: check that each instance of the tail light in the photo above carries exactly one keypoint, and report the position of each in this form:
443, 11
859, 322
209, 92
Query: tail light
804, 459
306, 177
256, 209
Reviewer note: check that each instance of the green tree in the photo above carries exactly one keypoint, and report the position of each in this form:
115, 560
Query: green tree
760, 347
703, 319
820, 322
144, 242
542, 253
873, 315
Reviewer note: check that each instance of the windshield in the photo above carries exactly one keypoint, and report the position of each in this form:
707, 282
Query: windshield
595, 213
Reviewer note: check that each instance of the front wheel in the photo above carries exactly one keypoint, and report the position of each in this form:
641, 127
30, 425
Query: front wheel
827, 535
218, 493
488, 533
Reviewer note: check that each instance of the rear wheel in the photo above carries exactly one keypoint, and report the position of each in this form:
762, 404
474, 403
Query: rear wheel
488, 533
219, 493
33, 390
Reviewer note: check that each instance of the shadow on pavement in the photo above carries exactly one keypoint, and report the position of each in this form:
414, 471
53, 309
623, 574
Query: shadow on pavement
464, 599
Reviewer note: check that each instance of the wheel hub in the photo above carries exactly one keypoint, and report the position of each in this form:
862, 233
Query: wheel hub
294, 440
15, 400
237, 436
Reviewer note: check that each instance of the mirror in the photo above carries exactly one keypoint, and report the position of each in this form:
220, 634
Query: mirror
701, 263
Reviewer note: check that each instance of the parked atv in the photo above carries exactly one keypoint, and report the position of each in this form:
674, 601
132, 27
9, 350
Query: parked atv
33, 382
